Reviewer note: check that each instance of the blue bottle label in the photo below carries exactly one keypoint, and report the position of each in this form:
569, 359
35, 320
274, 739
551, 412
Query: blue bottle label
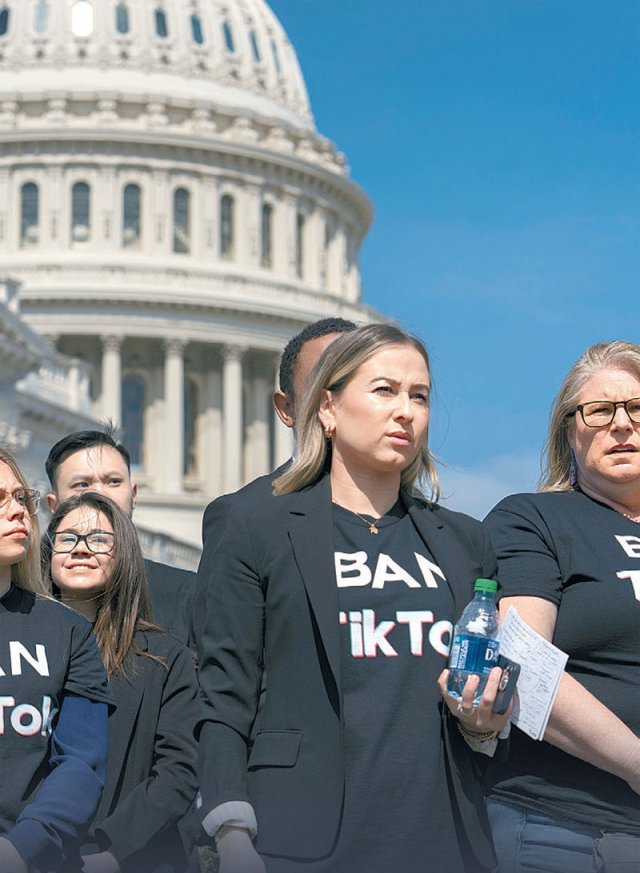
473, 654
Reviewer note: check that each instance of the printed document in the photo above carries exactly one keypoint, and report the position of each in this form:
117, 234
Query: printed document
541, 666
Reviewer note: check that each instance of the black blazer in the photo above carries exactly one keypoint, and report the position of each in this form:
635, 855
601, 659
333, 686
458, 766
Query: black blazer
171, 592
270, 586
151, 768
214, 522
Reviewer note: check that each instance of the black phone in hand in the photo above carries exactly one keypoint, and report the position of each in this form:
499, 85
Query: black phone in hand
508, 681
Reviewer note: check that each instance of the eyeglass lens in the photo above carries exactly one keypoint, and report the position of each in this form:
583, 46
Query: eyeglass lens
602, 412
98, 542
25, 497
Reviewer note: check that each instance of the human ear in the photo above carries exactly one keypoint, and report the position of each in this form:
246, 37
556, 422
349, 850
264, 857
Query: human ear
284, 408
326, 413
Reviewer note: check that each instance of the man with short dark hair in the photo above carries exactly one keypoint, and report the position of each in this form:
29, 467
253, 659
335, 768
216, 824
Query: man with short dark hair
94, 460
300, 355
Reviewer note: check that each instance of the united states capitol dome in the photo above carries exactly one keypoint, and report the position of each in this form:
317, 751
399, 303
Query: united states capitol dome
227, 53
172, 216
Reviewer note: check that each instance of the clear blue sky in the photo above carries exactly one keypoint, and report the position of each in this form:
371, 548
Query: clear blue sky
499, 144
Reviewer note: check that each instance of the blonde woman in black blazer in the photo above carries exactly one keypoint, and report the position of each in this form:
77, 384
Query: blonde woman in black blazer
344, 589
93, 561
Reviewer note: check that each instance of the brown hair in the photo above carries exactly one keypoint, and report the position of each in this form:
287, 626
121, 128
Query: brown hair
125, 604
620, 355
26, 573
333, 372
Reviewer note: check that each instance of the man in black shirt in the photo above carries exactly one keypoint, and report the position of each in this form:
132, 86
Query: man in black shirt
93, 460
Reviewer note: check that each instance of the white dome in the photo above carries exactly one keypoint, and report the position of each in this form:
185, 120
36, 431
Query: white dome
173, 217
218, 53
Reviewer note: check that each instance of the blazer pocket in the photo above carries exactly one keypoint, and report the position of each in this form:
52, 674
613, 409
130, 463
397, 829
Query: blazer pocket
275, 749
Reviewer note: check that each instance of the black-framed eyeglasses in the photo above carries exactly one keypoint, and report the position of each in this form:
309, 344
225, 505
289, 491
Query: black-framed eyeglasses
600, 413
25, 497
100, 542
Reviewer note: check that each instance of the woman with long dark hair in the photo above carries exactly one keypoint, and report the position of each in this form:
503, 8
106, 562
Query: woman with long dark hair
54, 697
94, 564
343, 591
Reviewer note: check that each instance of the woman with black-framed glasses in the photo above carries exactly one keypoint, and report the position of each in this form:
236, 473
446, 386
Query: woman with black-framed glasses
93, 562
53, 700
569, 562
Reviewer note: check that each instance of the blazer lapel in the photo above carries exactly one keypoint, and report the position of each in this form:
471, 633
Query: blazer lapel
449, 554
311, 536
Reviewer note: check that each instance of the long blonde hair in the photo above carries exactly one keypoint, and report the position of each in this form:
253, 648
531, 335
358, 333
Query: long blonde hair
619, 354
333, 372
26, 573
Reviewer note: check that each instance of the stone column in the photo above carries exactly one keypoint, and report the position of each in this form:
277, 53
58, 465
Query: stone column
111, 378
174, 414
232, 417
211, 455
257, 449
78, 384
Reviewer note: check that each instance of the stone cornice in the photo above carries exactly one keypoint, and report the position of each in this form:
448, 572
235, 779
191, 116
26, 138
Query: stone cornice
96, 286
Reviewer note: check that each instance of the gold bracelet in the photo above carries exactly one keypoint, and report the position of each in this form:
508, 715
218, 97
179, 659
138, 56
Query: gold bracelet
479, 738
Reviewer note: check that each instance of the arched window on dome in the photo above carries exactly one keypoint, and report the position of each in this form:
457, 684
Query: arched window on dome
181, 222
228, 36
4, 21
29, 215
160, 19
266, 236
255, 48
300, 224
82, 18
196, 29
276, 57
190, 424
131, 224
132, 417
80, 212
226, 227
122, 18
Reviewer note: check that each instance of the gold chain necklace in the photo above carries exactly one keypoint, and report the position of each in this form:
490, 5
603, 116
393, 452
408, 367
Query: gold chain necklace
370, 524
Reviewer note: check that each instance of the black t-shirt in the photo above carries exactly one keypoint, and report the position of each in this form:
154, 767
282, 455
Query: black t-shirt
584, 557
395, 616
46, 651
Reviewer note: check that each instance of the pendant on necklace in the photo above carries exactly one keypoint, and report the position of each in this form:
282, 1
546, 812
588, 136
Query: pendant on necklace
373, 529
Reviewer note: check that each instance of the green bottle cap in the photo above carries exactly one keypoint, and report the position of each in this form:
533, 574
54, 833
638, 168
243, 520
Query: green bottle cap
489, 586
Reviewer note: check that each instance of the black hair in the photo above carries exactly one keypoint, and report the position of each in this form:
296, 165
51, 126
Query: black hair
292, 349
83, 439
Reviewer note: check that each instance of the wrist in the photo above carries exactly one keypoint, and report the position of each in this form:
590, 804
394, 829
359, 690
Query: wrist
230, 837
476, 737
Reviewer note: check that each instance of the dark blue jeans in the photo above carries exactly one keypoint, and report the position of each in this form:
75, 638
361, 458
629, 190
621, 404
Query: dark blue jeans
527, 842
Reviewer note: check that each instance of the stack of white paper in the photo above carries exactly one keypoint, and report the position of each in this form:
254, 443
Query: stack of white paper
541, 666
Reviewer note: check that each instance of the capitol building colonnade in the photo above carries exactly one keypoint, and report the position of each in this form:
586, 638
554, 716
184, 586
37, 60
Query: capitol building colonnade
172, 216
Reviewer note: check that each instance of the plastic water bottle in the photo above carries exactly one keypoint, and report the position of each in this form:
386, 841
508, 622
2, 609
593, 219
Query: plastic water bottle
474, 648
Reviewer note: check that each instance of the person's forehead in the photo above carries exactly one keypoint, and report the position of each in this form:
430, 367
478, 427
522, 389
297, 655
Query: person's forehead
7, 476
608, 383
96, 461
85, 518
311, 352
